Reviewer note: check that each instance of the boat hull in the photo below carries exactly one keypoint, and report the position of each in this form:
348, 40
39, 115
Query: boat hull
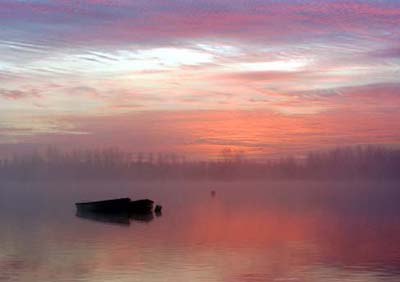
117, 206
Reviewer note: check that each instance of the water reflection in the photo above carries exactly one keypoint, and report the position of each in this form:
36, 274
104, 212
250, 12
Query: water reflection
120, 218
281, 233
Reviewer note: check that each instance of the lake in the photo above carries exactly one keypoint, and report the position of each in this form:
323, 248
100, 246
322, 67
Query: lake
248, 231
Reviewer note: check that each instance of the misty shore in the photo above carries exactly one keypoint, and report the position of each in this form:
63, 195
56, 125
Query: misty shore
349, 163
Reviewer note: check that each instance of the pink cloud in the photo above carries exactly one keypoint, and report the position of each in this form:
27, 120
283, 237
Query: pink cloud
338, 33
147, 22
18, 94
261, 76
203, 134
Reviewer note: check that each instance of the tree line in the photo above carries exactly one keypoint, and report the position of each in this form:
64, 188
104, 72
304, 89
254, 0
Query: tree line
361, 162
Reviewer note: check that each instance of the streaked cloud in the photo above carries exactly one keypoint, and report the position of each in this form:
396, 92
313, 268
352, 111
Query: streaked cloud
92, 59
17, 94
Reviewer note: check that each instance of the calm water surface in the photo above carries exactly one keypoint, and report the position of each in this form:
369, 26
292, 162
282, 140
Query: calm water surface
298, 231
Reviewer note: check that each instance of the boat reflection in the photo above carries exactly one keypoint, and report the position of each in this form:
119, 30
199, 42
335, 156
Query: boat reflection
118, 218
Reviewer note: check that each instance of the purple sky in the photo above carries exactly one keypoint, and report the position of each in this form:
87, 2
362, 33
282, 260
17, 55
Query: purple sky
262, 77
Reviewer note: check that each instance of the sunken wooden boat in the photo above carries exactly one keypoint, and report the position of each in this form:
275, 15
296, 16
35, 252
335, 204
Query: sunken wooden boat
122, 205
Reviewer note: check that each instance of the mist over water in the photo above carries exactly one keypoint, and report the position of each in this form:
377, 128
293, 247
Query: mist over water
344, 163
247, 231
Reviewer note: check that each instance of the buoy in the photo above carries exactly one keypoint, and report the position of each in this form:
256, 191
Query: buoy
158, 209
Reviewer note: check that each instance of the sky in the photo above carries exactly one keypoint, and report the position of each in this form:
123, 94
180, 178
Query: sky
264, 78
